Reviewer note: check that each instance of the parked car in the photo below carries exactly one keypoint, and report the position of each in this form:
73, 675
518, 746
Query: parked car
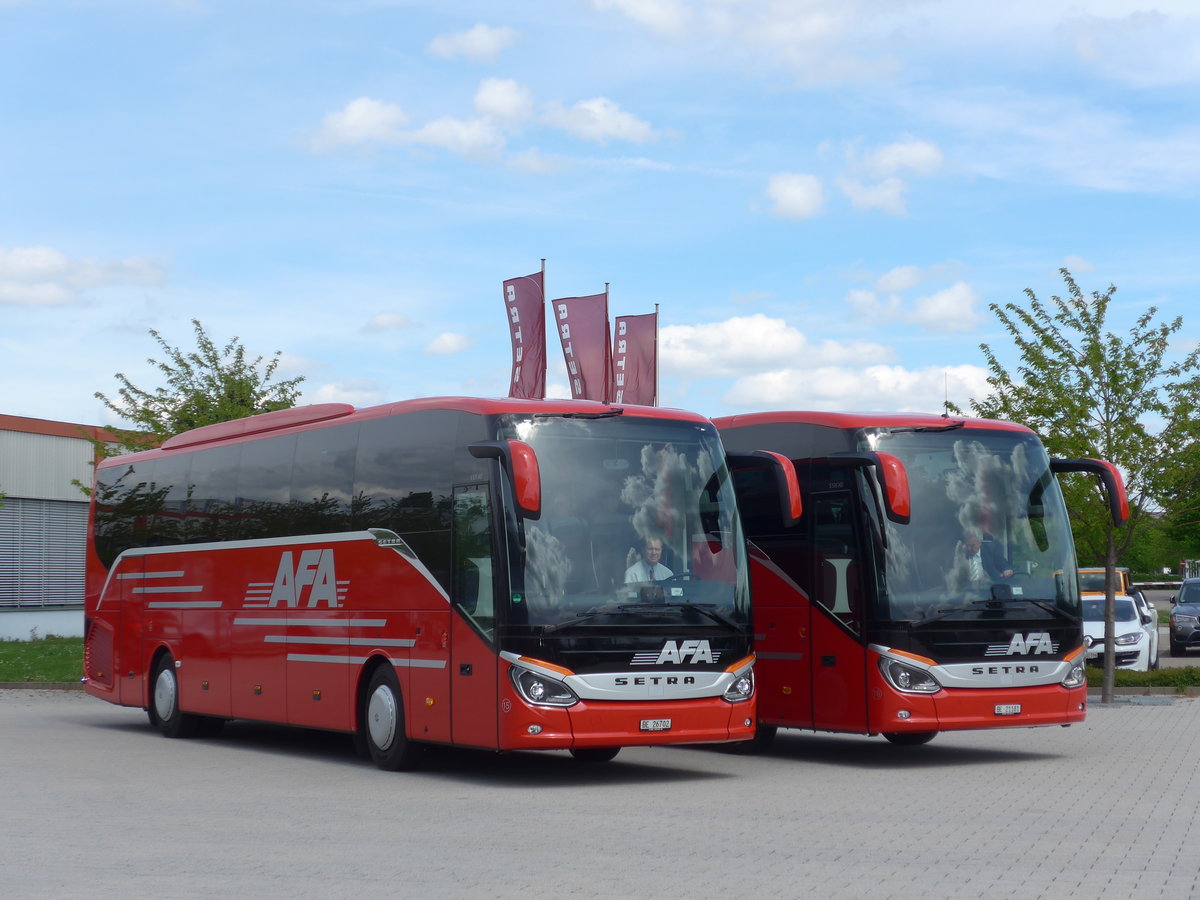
1091, 579
1135, 633
1185, 617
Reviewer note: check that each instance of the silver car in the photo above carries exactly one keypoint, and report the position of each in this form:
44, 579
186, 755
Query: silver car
1185, 617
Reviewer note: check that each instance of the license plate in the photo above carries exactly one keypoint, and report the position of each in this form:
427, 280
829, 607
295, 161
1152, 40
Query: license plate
656, 724
1008, 709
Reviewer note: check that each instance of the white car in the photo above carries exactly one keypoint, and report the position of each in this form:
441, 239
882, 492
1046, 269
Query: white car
1135, 632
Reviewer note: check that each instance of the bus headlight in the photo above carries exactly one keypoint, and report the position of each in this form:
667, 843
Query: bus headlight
908, 679
540, 690
1076, 677
741, 689
1132, 638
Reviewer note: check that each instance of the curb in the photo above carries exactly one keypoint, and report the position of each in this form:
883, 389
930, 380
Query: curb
42, 685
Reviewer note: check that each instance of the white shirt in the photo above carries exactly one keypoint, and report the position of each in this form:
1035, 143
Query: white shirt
640, 571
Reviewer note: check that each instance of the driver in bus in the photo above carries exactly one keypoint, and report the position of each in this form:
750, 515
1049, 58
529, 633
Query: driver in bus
648, 568
984, 560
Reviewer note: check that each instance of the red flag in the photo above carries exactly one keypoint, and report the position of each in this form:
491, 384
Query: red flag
525, 300
635, 360
583, 329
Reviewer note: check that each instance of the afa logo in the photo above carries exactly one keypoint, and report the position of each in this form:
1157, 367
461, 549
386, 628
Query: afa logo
678, 652
310, 581
1021, 645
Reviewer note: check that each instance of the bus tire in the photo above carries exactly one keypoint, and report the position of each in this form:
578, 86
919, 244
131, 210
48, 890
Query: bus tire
909, 738
381, 725
164, 702
595, 754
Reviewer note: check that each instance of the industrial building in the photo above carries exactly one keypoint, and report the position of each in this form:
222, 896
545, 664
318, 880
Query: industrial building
43, 525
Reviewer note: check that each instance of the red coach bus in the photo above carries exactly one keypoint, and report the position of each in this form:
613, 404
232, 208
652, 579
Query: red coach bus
930, 583
441, 571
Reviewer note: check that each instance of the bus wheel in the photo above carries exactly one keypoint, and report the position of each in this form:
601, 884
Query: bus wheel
164, 702
381, 725
595, 754
909, 738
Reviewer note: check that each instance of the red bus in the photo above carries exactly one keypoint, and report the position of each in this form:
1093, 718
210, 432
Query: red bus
930, 583
439, 571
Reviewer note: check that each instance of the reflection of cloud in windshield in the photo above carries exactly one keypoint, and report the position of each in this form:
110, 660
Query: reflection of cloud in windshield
547, 569
657, 496
982, 485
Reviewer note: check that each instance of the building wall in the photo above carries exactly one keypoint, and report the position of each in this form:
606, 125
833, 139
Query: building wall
43, 524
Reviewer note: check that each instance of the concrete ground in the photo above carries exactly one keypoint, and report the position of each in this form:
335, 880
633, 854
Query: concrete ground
98, 805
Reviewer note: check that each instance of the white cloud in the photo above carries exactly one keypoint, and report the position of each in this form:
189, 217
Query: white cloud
361, 121
475, 138
504, 101
873, 387
1078, 265
599, 120
900, 278
448, 343
666, 17
388, 322
795, 195
43, 276
954, 309
887, 196
356, 392
481, 43
869, 305
1145, 48
912, 155
751, 343
534, 162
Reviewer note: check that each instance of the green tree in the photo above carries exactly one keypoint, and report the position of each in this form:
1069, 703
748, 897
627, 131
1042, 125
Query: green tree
1091, 393
202, 386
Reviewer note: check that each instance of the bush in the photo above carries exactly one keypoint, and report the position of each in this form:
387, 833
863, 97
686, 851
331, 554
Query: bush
1177, 677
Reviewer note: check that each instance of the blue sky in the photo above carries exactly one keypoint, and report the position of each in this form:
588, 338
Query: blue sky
823, 196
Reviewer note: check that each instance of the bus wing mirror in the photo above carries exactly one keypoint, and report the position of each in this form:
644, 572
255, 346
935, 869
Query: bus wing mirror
892, 475
786, 483
1110, 477
521, 464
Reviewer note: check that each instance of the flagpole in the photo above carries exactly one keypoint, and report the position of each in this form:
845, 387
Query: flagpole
607, 352
656, 361
545, 336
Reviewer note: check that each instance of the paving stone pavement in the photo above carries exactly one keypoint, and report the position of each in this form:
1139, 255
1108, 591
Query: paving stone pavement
98, 805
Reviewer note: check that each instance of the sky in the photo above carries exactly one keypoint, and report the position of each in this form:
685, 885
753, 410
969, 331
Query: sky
823, 197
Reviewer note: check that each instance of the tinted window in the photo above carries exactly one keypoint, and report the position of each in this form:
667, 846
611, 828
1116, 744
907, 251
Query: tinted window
323, 480
212, 479
404, 470
263, 490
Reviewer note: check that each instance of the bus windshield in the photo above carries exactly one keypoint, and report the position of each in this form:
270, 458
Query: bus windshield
638, 519
989, 529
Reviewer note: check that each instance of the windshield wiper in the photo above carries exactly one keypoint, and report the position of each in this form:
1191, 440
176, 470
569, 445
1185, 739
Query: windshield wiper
907, 429
611, 411
704, 608
1047, 605
946, 612
577, 620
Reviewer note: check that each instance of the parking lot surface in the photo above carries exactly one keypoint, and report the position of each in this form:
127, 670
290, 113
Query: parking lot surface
96, 804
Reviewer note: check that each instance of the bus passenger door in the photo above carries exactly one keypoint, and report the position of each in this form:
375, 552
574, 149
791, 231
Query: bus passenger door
839, 657
782, 623
473, 659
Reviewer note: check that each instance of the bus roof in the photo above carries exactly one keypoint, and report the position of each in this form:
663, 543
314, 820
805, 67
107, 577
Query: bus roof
861, 420
302, 418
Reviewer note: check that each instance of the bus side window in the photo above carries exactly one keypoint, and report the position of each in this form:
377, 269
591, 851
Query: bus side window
472, 578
